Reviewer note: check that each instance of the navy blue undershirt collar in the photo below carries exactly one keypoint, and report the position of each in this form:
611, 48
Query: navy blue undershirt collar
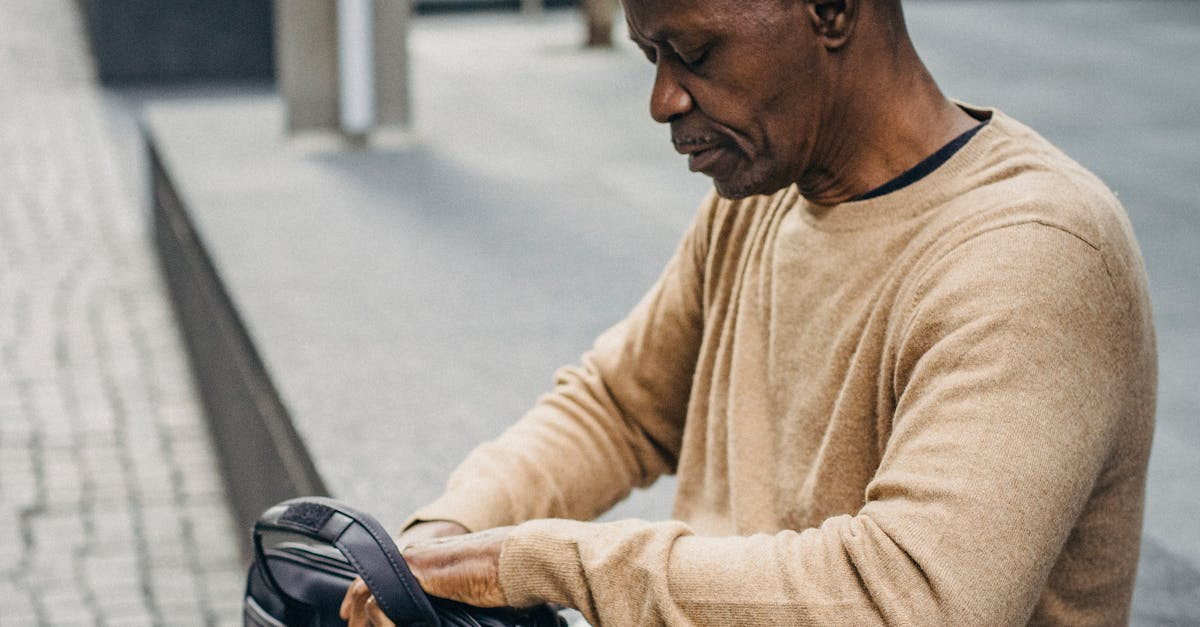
926, 166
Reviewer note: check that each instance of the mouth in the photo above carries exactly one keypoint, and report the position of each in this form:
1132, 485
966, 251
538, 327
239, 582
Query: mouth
703, 159
702, 153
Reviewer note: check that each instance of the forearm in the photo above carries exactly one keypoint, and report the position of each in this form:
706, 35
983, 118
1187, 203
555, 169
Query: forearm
852, 570
612, 423
602, 431
638, 573
572, 456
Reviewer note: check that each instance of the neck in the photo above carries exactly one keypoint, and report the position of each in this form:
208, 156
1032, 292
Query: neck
889, 122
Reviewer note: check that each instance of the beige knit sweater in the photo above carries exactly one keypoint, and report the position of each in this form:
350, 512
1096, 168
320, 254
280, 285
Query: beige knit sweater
933, 407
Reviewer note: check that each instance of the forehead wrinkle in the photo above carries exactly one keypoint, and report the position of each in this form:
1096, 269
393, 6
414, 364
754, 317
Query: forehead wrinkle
665, 36
660, 36
714, 14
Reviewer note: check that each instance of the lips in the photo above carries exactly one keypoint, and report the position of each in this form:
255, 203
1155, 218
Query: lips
703, 159
703, 153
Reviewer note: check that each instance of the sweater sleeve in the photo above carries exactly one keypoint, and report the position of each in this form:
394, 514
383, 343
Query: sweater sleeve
1017, 366
610, 424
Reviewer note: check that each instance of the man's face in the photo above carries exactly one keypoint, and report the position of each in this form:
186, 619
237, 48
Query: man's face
740, 83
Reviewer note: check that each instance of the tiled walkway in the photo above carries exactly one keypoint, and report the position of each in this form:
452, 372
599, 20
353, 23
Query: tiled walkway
111, 509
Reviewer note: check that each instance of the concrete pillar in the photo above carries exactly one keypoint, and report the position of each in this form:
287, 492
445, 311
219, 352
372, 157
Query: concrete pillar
393, 110
599, 14
308, 65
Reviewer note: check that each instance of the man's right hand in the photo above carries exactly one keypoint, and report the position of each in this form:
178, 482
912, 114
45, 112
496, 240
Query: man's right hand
359, 607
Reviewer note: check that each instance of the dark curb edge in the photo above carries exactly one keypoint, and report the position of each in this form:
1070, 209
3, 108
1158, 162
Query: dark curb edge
263, 459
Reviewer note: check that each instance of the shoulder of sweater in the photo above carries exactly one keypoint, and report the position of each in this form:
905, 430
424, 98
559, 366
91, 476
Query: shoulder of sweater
1015, 178
1026, 179
1020, 185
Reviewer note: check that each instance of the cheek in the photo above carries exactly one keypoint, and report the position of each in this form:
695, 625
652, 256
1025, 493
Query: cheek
732, 113
759, 108
779, 139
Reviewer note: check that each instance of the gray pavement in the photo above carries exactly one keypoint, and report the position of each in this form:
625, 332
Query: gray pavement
111, 511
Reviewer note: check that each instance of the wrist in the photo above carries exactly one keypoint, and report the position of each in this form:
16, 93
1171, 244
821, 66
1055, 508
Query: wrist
425, 530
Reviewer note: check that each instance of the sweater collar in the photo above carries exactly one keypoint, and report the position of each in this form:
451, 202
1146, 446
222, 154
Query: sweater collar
912, 200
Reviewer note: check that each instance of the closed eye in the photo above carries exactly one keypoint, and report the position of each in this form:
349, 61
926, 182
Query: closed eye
695, 58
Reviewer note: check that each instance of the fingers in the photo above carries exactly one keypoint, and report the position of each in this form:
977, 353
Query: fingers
375, 616
353, 597
359, 608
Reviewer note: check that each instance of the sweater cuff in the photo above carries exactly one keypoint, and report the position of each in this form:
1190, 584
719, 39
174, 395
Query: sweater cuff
540, 563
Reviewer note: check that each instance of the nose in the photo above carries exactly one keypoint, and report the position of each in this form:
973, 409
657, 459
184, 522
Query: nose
669, 99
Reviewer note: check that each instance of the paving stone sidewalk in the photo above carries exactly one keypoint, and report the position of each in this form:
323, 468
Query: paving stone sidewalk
111, 509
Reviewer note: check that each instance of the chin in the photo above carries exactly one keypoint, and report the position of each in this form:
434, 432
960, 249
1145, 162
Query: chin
737, 189
733, 194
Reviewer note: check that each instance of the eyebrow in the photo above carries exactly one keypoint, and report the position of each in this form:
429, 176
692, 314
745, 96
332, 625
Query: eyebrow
666, 37
661, 37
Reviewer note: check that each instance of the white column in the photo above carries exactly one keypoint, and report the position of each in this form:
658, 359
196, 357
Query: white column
356, 66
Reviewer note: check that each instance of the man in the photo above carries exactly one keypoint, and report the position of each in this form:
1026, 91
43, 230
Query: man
902, 364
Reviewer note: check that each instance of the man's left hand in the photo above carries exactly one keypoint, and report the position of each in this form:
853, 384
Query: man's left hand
463, 568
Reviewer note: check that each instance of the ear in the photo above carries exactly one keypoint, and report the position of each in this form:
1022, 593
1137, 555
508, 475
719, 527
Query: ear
833, 20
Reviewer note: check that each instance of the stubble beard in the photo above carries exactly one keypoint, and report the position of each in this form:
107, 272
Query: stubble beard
753, 184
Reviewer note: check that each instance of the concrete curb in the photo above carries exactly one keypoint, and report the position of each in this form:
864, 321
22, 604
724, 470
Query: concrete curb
262, 458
